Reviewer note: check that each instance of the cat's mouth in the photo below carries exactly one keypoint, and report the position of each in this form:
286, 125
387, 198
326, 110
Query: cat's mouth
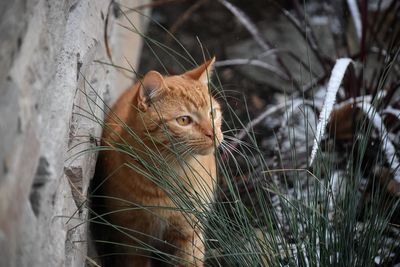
200, 146
206, 147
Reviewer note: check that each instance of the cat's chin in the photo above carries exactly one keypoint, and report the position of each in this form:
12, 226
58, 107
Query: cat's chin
205, 151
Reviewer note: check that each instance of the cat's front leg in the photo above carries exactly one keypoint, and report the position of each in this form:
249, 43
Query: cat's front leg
186, 242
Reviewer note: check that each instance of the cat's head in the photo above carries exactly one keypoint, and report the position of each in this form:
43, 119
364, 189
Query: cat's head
178, 111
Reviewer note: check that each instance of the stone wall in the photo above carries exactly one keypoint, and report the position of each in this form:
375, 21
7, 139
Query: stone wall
49, 78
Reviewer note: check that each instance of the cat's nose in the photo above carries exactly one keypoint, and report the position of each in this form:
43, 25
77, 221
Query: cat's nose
209, 133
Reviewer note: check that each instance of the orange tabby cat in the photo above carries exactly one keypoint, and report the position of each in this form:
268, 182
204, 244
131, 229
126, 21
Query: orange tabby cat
175, 118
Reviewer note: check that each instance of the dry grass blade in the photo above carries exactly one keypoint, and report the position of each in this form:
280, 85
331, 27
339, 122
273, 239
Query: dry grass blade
185, 16
266, 113
255, 33
308, 36
247, 23
253, 62
355, 14
333, 86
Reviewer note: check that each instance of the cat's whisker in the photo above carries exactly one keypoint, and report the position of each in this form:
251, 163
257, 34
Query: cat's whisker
235, 150
232, 148
226, 152
229, 151
224, 92
225, 98
225, 148
240, 142
232, 130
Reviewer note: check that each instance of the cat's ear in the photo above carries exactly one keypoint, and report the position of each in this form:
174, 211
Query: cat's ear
203, 72
150, 88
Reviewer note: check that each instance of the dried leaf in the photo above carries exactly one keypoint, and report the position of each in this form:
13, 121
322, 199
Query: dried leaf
389, 149
340, 125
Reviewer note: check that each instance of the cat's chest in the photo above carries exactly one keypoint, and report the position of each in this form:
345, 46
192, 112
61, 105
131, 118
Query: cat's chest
198, 175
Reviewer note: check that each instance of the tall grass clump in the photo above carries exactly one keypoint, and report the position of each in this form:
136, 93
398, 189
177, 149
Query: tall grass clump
330, 195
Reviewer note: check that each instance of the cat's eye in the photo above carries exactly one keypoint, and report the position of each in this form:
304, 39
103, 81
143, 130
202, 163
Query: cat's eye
184, 120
